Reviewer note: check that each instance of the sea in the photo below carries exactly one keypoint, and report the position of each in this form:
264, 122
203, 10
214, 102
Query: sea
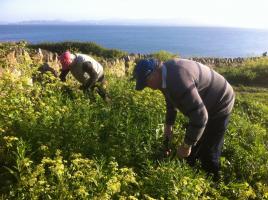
184, 41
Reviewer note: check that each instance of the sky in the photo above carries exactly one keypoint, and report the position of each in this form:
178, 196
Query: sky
230, 13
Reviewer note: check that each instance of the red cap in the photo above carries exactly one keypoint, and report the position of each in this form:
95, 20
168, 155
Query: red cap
65, 60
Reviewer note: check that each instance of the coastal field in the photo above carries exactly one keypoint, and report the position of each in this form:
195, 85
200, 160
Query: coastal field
58, 143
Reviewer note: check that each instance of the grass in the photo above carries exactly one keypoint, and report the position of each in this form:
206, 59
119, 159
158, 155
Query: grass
57, 143
251, 73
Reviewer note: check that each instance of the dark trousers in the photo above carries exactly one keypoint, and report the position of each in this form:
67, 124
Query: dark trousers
208, 148
99, 87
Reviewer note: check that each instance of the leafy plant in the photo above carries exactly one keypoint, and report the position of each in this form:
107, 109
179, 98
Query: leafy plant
58, 143
84, 47
164, 55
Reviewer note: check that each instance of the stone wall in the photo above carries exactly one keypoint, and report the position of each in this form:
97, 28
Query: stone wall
122, 66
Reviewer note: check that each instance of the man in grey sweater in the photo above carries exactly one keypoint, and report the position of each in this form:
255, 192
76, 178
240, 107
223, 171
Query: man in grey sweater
201, 94
85, 69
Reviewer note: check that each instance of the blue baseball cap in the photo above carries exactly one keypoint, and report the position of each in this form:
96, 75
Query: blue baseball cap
142, 70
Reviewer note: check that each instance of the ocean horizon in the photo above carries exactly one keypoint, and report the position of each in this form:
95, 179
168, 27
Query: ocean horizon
185, 41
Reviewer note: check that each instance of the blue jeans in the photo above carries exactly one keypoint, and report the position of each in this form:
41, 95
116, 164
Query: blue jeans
208, 148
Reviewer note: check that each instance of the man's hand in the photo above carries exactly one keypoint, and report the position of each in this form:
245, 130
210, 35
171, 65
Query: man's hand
167, 140
63, 75
184, 150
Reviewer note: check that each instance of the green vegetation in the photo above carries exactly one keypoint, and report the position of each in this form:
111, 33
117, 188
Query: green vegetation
164, 55
57, 143
250, 73
84, 47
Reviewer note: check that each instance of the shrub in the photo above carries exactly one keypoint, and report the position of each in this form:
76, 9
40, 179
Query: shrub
163, 55
58, 143
83, 47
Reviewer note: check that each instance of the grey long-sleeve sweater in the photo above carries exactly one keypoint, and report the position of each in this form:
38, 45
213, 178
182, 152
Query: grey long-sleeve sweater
79, 71
198, 92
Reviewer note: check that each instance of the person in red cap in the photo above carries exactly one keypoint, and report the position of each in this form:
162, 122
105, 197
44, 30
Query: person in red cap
85, 69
